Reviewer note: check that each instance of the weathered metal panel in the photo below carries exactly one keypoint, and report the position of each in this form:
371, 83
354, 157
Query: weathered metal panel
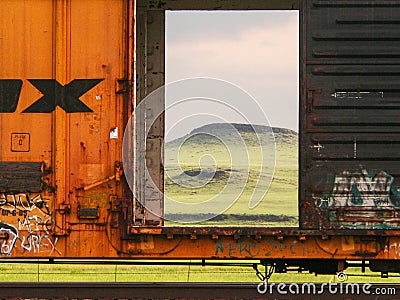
149, 134
65, 72
350, 100
340, 31
20, 177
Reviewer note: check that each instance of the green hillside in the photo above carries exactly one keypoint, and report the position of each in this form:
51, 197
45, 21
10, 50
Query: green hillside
205, 169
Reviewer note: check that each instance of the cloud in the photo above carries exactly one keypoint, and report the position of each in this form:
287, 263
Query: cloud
256, 50
228, 24
259, 56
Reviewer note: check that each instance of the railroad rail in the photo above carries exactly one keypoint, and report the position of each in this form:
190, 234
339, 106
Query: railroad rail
106, 290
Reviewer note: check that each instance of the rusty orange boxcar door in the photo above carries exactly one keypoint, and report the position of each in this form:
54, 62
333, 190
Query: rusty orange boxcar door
64, 100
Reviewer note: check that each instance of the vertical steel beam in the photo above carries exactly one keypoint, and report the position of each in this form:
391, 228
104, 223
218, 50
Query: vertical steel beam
139, 148
149, 185
155, 78
61, 42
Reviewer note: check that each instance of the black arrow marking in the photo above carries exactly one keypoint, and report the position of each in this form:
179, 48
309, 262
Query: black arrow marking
10, 89
55, 94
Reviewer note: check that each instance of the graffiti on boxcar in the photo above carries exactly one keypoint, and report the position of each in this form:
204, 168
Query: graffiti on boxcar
27, 221
32, 235
392, 248
252, 249
362, 189
294, 248
21, 203
238, 249
8, 244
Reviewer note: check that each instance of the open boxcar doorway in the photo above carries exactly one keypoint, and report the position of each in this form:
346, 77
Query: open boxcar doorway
257, 51
151, 71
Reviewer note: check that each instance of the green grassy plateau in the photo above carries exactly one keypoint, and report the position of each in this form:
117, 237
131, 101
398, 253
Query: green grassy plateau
224, 143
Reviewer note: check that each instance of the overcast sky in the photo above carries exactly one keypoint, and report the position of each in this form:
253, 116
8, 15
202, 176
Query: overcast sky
256, 50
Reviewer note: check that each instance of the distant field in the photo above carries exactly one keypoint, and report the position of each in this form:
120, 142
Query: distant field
149, 273
279, 205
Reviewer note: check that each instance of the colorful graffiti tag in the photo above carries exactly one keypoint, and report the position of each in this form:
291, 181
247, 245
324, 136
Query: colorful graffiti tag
21, 203
360, 188
27, 221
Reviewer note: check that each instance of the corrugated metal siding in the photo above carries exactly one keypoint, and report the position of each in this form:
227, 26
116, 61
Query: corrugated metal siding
350, 117
20, 177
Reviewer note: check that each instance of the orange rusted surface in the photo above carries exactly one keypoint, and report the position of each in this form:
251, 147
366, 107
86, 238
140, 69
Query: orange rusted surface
70, 56
229, 247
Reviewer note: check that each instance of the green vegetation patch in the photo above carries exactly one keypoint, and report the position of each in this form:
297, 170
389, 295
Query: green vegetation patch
205, 169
